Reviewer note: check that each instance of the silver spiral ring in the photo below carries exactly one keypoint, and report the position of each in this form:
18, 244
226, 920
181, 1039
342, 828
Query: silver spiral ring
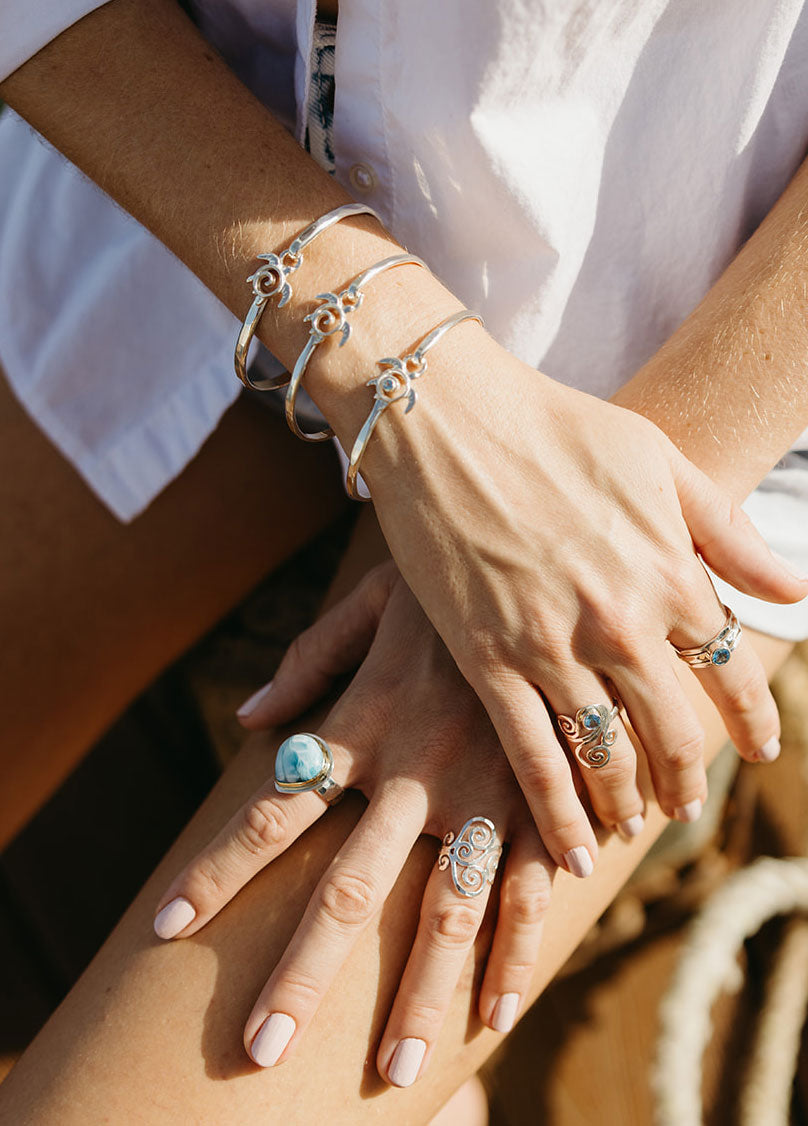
473, 856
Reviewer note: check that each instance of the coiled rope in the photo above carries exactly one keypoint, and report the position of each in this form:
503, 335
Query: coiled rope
708, 965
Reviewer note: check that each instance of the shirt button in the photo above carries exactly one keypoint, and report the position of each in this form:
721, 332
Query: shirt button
363, 177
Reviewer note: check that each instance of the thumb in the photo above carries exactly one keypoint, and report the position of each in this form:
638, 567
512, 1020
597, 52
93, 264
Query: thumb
335, 644
730, 544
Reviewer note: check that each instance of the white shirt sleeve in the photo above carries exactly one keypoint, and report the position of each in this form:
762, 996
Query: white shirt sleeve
27, 25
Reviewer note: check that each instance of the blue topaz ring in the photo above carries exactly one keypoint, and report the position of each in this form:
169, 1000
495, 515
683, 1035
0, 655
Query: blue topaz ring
304, 762
718, 650
472, 856
588, 733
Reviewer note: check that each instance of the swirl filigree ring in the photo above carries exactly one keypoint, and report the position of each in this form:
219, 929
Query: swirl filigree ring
272, 280
718, 650
472, 856
588, 733
304, 762
332, 316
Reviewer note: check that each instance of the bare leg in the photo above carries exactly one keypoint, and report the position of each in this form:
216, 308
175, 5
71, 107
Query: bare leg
152, 1032
91, 610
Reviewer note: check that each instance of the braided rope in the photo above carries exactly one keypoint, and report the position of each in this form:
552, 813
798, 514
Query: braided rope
766, 1098
707, 964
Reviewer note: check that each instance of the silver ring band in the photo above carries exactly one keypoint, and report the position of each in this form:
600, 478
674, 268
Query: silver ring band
304, 763
272, 280
473, 856
588, 733
718, 650
329, 318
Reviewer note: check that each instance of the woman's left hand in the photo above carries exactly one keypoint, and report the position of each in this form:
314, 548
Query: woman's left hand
412, 736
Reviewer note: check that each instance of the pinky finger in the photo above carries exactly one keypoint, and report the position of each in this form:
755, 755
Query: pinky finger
523, 900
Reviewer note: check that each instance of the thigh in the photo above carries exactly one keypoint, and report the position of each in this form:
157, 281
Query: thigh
152, 1033
91, 609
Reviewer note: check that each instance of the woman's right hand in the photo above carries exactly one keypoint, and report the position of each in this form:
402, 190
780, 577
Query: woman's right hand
552, 540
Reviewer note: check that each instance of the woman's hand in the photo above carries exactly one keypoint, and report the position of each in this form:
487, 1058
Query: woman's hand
411, 734
551, 538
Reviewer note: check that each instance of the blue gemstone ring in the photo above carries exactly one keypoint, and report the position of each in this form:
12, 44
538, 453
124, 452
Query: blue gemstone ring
588, 733
718, 650
304, 762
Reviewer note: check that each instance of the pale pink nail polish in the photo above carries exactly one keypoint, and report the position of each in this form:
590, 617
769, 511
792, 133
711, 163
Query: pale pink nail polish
770, 750
174, 917
579, 862
632, 826
271, 1039
792, 568
503, 1017
406, 1061
249, 706
689, 812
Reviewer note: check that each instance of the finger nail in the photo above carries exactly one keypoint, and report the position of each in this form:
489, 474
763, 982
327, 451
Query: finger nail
579, 862
249, 706
271, 1039
503, 1017
403, 1069
689, 812
632, 826
792, 568
174, 917
770, 750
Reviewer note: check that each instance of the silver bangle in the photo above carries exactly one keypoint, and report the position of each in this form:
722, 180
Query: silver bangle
394, 382
327, 319
272, 279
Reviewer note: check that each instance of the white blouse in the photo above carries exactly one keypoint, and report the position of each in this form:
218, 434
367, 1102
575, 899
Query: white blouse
578, 172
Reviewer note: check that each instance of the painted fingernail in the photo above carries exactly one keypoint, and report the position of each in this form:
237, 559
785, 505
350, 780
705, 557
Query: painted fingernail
249, 706
770, 750
632, 826
407, 1058
689, 812
503, 1017
174, 917
271, 1039
792, 568
579, 862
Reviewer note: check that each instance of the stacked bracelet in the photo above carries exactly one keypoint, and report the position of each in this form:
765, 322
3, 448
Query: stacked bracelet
272, 280
327, 319
394, 382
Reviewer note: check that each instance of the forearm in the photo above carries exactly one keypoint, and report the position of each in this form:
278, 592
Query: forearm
141, 103
730, 387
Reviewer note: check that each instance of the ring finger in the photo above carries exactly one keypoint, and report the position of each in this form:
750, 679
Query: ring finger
449, 922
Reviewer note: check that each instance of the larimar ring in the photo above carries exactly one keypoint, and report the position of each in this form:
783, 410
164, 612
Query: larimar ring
304, 762
589, 735
718, 650
472, 855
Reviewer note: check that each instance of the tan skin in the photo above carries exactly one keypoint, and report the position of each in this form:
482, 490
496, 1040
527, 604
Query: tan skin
155, 1043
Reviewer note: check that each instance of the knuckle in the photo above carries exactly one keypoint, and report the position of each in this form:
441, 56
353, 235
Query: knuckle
686, 753
454, 926
525, 906
207, 881
262, 827
303, 987
348, 899
482, 656
422, 1015
546, 773
747, 693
